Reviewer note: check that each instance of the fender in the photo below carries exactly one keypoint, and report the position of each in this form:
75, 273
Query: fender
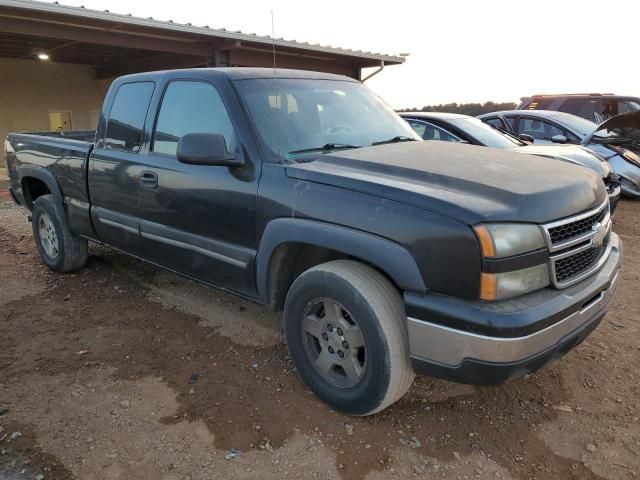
44, 175
391, 258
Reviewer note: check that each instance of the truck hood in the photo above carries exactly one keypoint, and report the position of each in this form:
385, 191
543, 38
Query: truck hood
469, 183
569, 153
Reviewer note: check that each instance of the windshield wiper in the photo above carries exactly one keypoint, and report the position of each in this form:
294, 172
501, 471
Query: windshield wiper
327, 147
396, 139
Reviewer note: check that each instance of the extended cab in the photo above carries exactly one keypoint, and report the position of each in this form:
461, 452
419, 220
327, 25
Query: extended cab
305, 192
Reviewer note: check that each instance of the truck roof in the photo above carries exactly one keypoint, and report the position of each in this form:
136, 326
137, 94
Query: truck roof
241, 73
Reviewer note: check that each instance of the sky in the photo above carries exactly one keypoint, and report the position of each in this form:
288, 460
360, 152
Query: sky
460, 50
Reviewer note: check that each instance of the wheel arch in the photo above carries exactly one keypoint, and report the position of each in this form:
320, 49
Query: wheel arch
284, 240
30, 173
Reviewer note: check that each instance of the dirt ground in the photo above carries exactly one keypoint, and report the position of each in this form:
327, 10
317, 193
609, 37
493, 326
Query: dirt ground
123, 371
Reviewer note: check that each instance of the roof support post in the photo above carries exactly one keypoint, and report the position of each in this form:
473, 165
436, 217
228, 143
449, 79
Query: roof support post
375, 72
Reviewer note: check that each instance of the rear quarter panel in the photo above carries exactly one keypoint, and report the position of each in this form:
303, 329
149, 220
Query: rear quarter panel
66, 162
65, 159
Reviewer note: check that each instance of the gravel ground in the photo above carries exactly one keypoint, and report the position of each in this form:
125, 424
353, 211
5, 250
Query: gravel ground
123, 371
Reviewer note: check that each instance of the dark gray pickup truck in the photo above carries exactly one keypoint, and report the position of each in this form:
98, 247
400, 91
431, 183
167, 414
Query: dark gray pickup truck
305, 192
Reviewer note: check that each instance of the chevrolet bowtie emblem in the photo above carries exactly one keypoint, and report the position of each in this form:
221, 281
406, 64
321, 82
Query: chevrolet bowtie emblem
600, 233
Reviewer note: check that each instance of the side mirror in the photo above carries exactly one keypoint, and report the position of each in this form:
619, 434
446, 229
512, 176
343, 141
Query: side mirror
559, 139
527, 138
206, 149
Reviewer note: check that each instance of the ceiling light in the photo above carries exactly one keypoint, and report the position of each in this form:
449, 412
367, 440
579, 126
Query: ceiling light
43, 56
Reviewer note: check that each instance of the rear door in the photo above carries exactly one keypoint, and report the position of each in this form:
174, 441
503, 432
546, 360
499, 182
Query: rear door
198, 220
114, 166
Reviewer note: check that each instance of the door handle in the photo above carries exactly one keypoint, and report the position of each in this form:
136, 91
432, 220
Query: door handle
148, 179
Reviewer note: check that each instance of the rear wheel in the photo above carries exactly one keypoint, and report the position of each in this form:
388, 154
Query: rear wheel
59, 249
347, 335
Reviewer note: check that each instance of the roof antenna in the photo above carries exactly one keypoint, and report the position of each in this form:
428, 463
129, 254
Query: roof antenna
277, 101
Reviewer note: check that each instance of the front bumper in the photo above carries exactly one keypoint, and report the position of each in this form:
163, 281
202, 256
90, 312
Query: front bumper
488, 343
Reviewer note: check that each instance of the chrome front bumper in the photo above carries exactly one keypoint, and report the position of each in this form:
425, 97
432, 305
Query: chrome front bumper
433, 344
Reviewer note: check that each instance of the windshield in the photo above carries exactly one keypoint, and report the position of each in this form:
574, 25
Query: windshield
580, 126
485, 134
303, 117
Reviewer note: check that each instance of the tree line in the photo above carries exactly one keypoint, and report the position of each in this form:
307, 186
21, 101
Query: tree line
472, 109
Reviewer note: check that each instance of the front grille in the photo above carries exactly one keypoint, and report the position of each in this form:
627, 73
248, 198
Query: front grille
575, 229
569, 267
577, 245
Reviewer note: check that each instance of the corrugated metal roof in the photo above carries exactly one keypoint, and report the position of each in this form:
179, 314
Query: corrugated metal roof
218, 33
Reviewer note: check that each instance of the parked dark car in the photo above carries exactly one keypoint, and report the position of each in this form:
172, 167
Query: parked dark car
305, 192
548, 128
596, 107
452, 127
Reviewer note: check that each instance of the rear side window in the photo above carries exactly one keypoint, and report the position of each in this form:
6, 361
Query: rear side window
191, 107
125, 126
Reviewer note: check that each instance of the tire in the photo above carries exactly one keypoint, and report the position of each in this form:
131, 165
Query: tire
50, 227
367, 379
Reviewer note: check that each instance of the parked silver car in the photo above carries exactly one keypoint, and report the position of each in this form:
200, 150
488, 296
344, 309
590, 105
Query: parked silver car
549, 127
453, 127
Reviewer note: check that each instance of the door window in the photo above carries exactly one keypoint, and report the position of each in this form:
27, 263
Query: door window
428, 131
191, 107
125, 126
539, 129
496, 122
627, 106
588, 108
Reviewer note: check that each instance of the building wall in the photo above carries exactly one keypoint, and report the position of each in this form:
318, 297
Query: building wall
31, 89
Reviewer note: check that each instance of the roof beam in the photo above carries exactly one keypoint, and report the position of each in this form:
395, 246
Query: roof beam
159, 62
118, 38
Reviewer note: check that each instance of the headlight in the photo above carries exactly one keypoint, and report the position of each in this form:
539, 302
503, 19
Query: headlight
518, 245
498, 240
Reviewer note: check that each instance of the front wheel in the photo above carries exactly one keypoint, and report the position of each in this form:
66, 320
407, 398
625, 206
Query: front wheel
347, 335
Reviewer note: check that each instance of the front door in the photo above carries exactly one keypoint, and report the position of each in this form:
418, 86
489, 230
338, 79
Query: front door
198, 220
114, 168
543, 131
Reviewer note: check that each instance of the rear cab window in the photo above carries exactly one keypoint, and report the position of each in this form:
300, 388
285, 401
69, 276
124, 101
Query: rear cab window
125, 124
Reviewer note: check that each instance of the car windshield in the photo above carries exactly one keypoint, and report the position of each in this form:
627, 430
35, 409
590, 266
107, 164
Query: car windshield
485, 134
298, 118
578, 125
